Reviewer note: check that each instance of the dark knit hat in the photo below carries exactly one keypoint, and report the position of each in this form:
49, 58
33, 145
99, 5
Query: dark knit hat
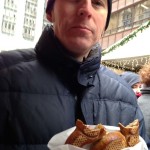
50, 4
130, 77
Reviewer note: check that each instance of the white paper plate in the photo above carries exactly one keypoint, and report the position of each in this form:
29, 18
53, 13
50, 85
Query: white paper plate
58, 140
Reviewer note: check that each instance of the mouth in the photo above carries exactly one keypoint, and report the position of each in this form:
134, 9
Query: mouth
80, 27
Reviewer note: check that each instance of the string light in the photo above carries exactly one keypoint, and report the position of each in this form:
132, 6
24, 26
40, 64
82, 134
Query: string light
128, 64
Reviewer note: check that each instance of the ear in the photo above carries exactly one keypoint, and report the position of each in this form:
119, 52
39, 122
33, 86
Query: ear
49, 16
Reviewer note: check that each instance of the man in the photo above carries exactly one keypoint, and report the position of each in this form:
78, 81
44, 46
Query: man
45, 90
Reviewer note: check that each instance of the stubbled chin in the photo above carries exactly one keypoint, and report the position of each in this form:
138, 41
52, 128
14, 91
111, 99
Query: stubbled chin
83, 41
80, 44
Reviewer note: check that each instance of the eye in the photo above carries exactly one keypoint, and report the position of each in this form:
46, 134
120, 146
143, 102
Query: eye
98, 3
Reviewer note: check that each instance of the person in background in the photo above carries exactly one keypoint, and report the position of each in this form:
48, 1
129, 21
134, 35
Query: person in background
144, 100
133, 79
44, 90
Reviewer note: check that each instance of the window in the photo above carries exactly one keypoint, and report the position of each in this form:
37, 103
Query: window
127, 18
30, 19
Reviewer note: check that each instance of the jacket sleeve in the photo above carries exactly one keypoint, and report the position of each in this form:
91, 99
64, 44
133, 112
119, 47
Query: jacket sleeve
142, 130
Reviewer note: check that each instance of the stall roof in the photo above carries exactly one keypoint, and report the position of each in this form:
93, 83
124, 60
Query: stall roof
131, 55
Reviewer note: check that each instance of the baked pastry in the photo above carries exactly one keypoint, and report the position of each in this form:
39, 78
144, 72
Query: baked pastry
100, 139
131, 132
83, 134
111, 141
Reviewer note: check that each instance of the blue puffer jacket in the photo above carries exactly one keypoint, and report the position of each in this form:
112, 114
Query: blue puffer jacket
43, 91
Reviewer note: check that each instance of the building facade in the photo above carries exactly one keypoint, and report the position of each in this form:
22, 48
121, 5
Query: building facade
127, 15
21, 23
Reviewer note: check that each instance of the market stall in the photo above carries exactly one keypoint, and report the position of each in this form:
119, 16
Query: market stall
131, 52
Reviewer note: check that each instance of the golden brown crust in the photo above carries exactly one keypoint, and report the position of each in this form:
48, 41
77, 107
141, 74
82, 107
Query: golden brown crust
83, 135
131, 132
111, 141
101, 139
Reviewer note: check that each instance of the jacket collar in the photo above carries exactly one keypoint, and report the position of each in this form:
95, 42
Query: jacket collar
145, 90
52, 53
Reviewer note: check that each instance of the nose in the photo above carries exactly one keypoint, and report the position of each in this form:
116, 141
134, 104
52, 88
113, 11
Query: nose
85, 9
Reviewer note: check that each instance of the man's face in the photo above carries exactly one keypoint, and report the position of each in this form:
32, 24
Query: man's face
78, 24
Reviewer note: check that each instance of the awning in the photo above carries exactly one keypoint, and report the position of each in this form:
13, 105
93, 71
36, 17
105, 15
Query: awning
128, 64
131, 52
